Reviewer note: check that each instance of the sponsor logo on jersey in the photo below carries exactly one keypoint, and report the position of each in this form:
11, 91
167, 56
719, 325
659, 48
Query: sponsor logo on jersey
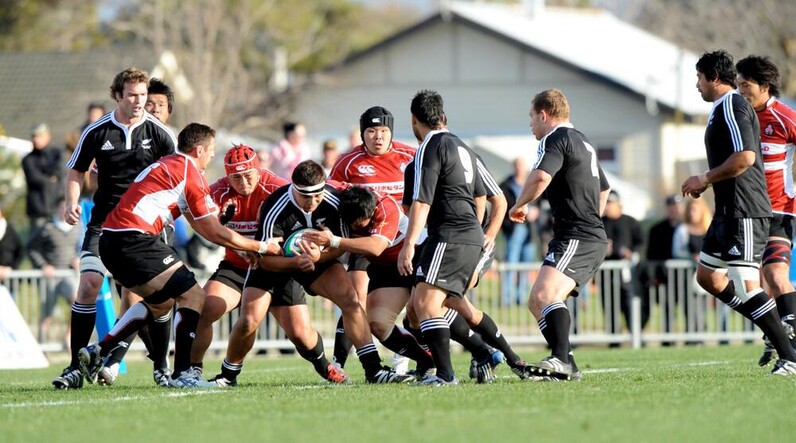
403, 166
366, 170
297, 226
320, 222
242, 226
146, 143
734, 251
107, 146
168, 259
769, 130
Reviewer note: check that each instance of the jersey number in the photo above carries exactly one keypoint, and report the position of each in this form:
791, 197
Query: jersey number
594, 171
467, 164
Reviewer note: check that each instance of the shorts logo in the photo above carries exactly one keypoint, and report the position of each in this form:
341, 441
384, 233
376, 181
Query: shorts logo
419, 272
550, 257
497, 334
734, 251
168, 259
366, 170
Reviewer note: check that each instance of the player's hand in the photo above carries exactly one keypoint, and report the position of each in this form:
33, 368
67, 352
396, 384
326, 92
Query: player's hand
73, 213
310, 249
405, 257
694, 186
305, 263
48, 271
320, 238
489, 243
227, 212
517, 214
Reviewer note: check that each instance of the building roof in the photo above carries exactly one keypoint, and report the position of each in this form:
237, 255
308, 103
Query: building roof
592, 41
56, 88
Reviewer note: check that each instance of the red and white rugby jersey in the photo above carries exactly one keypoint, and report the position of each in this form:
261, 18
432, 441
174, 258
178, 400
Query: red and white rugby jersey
390, 223
383, 173
161, 192
777, 143
244, 222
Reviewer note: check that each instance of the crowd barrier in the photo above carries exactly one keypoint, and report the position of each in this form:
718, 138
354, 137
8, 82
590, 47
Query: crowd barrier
669, 309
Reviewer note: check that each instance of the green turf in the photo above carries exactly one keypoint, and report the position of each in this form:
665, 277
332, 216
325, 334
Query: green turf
668, 394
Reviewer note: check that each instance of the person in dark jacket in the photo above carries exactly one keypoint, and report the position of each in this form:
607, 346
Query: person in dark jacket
44, 175
11, 248
625, 240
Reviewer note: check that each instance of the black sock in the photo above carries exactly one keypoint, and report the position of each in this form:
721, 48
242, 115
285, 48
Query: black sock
403, 343
728, 296
184, 334
125, 329
438, 336
83, 318
117, 354
786, 306
762, 310
160, 335
369, 357
417, 334
230, 371
342, 345
491, 334
316, 356
461, 333
554, 325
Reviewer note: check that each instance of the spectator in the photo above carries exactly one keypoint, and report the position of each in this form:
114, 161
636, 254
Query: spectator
44, 173
519, 236
625, 239
686, 244
56, 247
11, 249
653, 272
330, 155
265, 158
93, 113
354, 138
291, 150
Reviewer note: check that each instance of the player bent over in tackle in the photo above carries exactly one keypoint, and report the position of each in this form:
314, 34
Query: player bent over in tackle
137, 258
577, 189
308, 202
378, 224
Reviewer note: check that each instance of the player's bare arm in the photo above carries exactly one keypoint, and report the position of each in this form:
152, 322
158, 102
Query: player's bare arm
735, 165
418, 215
538, 180
74, 183
499, 206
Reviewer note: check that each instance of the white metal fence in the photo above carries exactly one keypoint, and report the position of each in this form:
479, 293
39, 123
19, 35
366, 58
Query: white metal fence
669, 308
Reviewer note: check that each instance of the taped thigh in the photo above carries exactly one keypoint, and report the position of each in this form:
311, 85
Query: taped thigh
91, 263
777, 251
741, 272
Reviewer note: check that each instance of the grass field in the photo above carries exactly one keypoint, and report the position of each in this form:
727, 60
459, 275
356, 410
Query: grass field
664, 394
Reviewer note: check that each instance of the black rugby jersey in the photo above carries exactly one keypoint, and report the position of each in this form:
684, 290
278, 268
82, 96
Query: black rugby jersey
121, 154
281, 216
578, 179
733, 127
446, 177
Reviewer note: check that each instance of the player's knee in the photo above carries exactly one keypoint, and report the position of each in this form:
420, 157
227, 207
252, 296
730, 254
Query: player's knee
178, 285
380, 329
303, 337
213, 309
348, 301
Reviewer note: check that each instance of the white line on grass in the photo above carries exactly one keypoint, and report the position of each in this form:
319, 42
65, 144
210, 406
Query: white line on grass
110, 399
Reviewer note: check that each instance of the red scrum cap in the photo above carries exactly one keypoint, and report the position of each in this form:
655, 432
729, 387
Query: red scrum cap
240, 158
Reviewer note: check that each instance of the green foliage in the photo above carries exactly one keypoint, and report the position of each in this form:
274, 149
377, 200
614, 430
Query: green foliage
652, 395
49, 25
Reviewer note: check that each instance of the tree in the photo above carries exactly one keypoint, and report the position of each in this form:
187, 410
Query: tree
49, 25
228, 51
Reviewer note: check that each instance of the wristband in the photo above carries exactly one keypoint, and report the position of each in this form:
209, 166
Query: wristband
263, 247
335, 241
703, 179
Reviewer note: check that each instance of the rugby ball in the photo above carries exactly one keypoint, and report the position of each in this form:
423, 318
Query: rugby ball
291, 244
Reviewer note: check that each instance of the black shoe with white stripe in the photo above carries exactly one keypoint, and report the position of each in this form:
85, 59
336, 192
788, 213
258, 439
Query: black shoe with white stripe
769, 353
553, 367
388, 375
784, 368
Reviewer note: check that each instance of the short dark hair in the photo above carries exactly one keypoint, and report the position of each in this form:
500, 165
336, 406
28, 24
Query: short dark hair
129, 75
308, 173
717, 65
427, 108
356, 203
95, 105
193, 135
289, 127
762, 71
157, 86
